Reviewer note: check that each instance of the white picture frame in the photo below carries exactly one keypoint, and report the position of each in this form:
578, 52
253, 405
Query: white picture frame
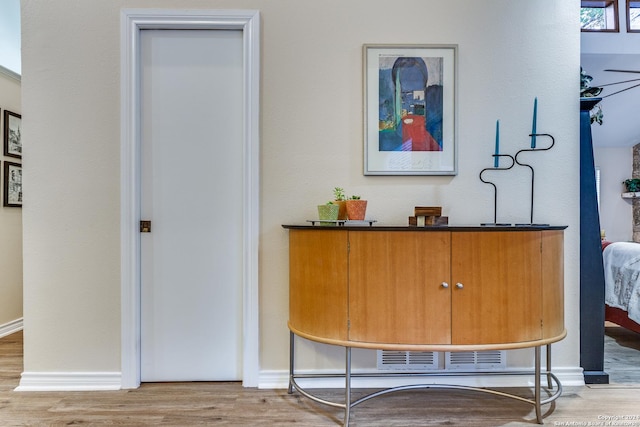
410, 109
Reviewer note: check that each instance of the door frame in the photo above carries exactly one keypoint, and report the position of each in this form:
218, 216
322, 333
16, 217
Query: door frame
133, 21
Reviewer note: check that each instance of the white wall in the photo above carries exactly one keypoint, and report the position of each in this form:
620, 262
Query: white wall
616, 214
509, 53
10, 226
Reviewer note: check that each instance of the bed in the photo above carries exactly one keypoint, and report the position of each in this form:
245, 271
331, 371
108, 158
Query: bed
622, 284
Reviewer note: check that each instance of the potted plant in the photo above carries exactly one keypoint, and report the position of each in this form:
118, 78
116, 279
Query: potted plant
340, 199
328, 213
356, 208
632, 185
587, 91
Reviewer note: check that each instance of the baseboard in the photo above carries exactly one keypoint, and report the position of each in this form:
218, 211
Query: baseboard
570, 376
11, 327
90, 381
69, 381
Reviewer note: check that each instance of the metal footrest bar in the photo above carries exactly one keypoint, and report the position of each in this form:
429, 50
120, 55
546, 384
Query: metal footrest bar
552, 383
549, 399
450, 386
315, 398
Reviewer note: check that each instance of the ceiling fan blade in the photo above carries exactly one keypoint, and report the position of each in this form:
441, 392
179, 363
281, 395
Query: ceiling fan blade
624, 71
617, 83
622, 90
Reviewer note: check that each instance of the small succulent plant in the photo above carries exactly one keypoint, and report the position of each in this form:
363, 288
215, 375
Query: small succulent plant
633, 185
587, 91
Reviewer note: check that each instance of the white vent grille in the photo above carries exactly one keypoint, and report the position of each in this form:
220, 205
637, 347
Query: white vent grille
475, 360
430, 360
408, 360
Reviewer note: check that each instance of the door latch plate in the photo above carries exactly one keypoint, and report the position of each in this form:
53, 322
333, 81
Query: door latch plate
145, 226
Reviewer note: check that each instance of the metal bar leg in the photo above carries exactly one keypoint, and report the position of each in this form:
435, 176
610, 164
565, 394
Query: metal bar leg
347, 386
291, 355
549, 382
537, 386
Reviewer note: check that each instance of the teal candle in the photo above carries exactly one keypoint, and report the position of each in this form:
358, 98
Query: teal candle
535, 119
496, 159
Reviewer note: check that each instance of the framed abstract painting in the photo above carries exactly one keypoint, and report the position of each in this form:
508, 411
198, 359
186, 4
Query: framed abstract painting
410, 109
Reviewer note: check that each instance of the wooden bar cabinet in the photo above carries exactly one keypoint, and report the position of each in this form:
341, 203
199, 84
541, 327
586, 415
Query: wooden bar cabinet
449, 288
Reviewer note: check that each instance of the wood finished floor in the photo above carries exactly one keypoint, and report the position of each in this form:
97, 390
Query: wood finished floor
204, 404
622, 355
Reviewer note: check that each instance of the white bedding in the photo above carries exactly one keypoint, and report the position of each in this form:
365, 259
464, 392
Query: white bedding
622, 277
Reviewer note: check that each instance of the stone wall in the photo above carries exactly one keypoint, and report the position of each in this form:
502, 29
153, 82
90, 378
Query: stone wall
636, 202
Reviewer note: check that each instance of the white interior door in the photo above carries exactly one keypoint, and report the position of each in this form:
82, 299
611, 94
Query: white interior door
191, 191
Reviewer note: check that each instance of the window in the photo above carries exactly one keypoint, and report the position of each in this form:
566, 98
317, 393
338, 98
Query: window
633, 16
600, 15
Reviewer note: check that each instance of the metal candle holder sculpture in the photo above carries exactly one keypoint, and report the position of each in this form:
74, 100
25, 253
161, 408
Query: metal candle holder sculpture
495, 189
496, 163
533, 149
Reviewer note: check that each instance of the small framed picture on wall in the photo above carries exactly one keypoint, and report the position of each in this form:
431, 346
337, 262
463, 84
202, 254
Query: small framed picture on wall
12, 134
12, 184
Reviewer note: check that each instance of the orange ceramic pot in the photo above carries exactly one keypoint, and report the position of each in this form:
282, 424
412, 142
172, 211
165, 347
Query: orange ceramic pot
342, 212
356, 209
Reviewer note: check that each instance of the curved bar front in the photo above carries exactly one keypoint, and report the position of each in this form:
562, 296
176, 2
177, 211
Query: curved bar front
430, 347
